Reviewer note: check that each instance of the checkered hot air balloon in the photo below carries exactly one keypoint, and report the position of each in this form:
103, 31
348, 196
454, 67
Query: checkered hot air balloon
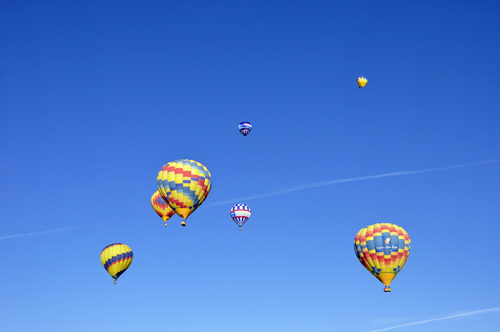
184, 184
240, 214
161, 207
116, 259
383, 249
245, 128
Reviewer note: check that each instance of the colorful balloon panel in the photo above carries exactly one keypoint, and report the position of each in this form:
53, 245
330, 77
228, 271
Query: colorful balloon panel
116, 259
245, 128
240, 214
362, 82
184, 184
161, 207
383, 249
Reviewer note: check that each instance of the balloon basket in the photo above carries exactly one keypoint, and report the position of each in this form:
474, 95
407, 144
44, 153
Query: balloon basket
387, 289
183, 223
114, 282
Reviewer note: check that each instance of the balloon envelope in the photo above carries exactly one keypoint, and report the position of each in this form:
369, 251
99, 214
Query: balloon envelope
240, 214
383, 249
184, 184
161, 207
116, 259
362, 82
245, 128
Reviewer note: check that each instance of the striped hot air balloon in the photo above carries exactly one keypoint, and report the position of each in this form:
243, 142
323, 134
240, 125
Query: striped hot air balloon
184, 184
245, 128
240, 214
161, 207
383, 249
116, 259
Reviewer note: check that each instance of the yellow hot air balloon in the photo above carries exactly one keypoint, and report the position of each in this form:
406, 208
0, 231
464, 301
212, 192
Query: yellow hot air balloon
116, 259
362, 82
383, 250
161, 207
184, 184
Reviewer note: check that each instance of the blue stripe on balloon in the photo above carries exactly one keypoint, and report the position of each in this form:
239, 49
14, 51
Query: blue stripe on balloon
117, 258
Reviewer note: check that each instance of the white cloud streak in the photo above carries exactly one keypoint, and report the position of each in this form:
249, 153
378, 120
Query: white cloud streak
442, 318
361, 178
37, 233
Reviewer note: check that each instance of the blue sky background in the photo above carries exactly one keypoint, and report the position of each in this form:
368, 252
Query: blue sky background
96, 97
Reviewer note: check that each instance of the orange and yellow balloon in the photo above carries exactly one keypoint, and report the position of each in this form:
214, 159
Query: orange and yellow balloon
383, 249
362, 82
161, 207
116, 259
184, 184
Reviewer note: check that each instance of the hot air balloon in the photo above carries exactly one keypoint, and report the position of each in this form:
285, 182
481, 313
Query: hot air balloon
240, 214
184, 184
116, 259
161, 207
362, 82
245, 128
383, 249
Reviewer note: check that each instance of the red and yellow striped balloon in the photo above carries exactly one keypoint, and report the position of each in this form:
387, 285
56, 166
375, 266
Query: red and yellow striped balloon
161, 207
383, 249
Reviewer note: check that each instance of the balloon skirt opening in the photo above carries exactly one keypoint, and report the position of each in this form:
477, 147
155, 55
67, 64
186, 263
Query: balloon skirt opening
386, 278
183, 212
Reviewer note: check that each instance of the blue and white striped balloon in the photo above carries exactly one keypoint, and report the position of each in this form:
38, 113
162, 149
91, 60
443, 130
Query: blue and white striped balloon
240, 214
245, 128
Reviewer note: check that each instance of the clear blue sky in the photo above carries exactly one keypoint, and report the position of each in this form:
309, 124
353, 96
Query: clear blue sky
96, 97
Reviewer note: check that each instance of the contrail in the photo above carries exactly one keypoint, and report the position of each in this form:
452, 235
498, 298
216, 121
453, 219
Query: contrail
37, 233
442, 318
328, 183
